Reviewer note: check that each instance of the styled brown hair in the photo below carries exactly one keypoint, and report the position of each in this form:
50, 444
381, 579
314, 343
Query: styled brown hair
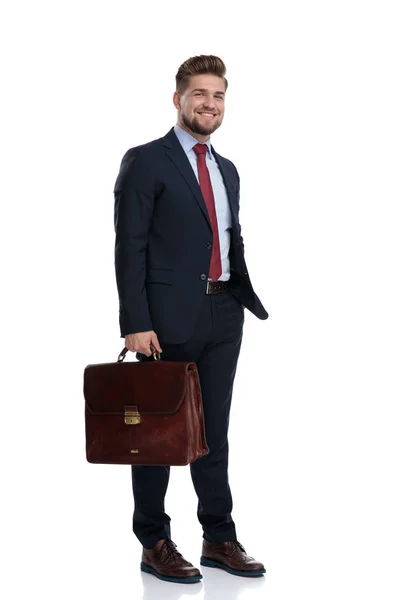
199, 65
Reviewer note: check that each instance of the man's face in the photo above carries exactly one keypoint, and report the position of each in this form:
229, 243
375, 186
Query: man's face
201, 107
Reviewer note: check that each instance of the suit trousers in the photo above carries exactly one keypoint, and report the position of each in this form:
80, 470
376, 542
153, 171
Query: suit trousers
214, 346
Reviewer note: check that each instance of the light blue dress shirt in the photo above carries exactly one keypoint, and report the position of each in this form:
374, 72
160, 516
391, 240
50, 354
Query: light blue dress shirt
222, 208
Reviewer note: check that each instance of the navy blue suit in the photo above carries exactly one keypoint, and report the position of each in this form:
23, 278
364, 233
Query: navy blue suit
163, 236
162, 258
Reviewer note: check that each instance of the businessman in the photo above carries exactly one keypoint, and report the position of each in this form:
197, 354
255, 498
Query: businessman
183, 285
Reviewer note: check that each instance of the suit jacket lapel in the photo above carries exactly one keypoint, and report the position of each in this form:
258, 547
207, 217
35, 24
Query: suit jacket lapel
230, 189
177, 155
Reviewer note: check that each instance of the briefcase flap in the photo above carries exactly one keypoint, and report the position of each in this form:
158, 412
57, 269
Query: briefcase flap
155, 387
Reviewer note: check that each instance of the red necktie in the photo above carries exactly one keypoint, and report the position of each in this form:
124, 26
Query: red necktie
208, 195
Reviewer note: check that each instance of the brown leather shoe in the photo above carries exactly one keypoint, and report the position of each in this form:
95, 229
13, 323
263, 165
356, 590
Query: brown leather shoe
232, 557
165, 562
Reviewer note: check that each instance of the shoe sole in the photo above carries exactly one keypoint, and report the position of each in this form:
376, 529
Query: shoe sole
206, 562
146, 569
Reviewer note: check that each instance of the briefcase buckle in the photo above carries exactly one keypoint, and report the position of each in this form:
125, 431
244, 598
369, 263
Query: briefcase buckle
132, 417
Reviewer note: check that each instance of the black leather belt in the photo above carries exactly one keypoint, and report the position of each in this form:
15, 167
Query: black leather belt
216, 287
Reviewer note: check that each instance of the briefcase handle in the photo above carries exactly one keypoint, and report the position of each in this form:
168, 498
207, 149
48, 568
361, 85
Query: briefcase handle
121, 356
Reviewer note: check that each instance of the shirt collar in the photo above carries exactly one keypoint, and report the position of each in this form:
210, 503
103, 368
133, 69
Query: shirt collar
188, 141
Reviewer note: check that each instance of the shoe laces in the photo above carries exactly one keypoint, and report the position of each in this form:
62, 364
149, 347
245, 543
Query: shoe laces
169, 550
237, 546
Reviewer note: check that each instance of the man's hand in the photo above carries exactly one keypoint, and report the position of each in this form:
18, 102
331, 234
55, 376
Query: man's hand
140, 342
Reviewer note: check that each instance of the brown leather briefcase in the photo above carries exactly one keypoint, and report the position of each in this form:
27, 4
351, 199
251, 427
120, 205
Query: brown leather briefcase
143, 413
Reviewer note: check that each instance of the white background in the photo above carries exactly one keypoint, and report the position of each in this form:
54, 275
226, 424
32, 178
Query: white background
312, 124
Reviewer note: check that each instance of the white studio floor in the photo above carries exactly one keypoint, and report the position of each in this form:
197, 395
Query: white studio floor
321, 531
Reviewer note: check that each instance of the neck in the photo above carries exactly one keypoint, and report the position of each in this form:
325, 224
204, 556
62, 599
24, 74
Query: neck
198, 136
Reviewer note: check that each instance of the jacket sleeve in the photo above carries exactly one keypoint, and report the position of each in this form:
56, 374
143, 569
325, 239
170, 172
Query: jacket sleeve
133, 208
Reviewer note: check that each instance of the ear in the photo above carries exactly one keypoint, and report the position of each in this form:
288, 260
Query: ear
176, 100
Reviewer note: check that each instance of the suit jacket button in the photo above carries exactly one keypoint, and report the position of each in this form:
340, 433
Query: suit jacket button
203, 276
208, 246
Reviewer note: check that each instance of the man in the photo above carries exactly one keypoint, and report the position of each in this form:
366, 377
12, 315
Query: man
183, 284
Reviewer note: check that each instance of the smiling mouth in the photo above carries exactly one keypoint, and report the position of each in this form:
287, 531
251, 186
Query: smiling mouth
207, 115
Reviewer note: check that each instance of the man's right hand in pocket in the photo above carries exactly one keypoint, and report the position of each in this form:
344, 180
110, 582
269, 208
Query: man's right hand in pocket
140, 342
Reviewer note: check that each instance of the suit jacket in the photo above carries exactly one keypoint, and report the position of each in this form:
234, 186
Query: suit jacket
164, 239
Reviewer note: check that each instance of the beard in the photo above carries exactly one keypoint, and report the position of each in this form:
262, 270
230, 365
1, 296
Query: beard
196, 127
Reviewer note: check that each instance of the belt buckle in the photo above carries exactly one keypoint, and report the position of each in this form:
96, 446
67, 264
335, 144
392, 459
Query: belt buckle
208, 287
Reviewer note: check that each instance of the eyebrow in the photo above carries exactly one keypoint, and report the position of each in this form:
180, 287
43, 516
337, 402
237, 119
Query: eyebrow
204, 90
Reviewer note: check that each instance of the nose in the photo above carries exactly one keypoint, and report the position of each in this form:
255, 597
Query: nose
209, 102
